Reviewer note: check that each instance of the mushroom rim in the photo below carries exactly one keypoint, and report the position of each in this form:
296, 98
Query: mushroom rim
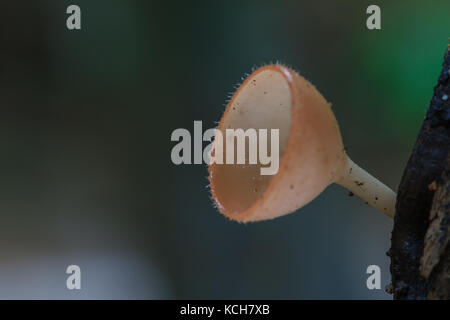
245, 216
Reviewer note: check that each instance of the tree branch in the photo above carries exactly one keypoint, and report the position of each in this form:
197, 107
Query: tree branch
415, 205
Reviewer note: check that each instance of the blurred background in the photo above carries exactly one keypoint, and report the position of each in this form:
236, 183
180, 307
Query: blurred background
85, 124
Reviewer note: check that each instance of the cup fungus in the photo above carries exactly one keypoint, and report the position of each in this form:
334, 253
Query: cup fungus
312, 155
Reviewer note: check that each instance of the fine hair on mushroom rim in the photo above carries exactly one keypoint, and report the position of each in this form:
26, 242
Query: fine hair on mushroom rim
262, 101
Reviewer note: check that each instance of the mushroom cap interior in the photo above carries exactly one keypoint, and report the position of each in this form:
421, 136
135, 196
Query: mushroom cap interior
263, 101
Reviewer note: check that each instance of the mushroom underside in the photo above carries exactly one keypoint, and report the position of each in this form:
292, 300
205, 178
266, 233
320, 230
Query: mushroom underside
263, 101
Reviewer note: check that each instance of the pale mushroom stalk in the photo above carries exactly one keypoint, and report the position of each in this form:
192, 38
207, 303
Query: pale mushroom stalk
368, 188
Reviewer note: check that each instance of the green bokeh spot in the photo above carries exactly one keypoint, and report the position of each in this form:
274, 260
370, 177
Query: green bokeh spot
403, 60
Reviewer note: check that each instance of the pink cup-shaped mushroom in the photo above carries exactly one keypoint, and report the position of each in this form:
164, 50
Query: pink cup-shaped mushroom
311, 152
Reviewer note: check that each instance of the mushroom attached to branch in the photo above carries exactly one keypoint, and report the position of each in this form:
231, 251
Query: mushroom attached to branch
312, 155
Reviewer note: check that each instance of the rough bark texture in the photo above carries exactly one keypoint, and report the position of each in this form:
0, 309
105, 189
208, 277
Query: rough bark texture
435, 261
420, 254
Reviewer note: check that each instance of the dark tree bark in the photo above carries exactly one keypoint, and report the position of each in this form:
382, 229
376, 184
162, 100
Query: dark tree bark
435, 261
420, 249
